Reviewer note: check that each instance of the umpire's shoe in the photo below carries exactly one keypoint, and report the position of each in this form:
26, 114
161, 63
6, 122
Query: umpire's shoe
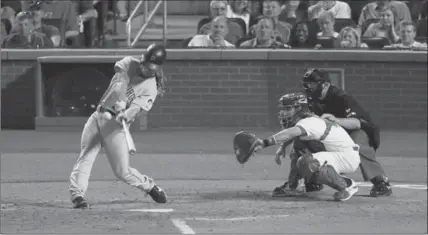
381, 189
157, 194
80, 203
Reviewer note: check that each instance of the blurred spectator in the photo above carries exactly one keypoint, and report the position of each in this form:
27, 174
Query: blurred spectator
63, 10
350, 38
240, 9
407, 37
300, 35
265, 36
339, 9
423, 10
24, 35
87, 21
8, 13
373, 11
272, 9
385, 28
3, 33
290, 8
219, 8
216, 37
50, 31
326, 23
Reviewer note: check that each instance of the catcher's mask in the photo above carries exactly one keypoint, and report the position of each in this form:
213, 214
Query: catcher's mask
292, 108
313, 82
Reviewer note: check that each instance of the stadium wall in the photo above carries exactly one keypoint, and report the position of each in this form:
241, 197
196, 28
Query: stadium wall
231, 88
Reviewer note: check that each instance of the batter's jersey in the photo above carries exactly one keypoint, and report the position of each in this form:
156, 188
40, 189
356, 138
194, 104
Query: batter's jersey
342, 105
333, 136
139, 91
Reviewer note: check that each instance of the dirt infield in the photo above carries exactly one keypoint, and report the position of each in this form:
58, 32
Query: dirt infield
208, 191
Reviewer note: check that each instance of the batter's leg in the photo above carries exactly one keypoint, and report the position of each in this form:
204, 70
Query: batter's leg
371, 169
89, 148
114, 142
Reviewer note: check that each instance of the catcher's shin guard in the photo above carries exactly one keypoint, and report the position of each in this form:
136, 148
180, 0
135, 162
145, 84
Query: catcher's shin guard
311, 169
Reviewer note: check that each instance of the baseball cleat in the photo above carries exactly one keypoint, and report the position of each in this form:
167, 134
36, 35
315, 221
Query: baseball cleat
80, 203
157, 194
381, 189
285, 191
347, 193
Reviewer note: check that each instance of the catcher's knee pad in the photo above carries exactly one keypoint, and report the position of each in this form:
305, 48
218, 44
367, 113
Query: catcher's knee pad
327, 175
307, 166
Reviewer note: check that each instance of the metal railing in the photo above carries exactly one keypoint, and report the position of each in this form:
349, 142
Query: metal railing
147, 19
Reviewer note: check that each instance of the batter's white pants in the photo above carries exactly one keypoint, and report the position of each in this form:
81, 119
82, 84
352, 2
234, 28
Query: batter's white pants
97, 133
344, 161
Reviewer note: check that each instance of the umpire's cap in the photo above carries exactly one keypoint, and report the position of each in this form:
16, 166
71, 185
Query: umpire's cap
315, 75
155, 54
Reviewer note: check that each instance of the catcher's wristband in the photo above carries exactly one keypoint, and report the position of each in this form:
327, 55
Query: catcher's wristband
269, 141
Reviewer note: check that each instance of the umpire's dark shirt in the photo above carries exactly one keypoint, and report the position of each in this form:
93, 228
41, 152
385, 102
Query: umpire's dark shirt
342, 105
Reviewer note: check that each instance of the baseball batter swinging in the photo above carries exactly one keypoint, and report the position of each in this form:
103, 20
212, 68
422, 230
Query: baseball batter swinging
132, 92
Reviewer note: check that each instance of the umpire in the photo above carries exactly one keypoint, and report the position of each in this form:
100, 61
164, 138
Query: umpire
331, 102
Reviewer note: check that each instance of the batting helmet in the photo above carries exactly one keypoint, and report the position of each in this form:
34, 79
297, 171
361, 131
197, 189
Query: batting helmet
155, 54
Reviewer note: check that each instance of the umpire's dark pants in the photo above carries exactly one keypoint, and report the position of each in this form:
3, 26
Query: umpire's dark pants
370, 167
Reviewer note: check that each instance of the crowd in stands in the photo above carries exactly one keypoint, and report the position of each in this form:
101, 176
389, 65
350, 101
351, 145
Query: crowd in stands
325, 24
380, 24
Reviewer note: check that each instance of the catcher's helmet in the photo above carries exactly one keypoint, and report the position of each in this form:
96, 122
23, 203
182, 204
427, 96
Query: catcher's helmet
312, 82
156, 54
293, 107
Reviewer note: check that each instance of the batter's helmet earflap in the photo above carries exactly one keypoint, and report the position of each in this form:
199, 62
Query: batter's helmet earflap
155, 54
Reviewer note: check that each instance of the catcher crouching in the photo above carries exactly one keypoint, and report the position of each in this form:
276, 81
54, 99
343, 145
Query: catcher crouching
325, 167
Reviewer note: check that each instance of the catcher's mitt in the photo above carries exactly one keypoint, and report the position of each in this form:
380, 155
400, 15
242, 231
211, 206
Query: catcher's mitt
245, 144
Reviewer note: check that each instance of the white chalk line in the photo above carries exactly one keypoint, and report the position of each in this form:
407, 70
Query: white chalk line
237, 218
151, 210
183, 226
405, 186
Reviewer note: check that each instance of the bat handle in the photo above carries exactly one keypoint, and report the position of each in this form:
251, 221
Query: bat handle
128, 137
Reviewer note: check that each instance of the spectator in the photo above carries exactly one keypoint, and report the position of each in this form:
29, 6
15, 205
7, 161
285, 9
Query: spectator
326, 23
350, 38
265, 36
339, 9
373, 11
300, 36
24, 35
219, 8
216, 38
64, 10
385, 28
87, 21
407, 37
272, 9
50, 31
8, 13
240, 9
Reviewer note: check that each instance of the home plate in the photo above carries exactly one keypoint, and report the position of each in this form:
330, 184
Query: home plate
151, 210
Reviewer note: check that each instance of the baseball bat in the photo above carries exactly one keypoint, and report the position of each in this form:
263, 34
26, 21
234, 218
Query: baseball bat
129, 140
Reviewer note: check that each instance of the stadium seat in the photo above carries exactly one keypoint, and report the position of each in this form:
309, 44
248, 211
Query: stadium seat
201, 23
342, 23
366, 25
421, 30
185, 42
375, 43
241, 23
